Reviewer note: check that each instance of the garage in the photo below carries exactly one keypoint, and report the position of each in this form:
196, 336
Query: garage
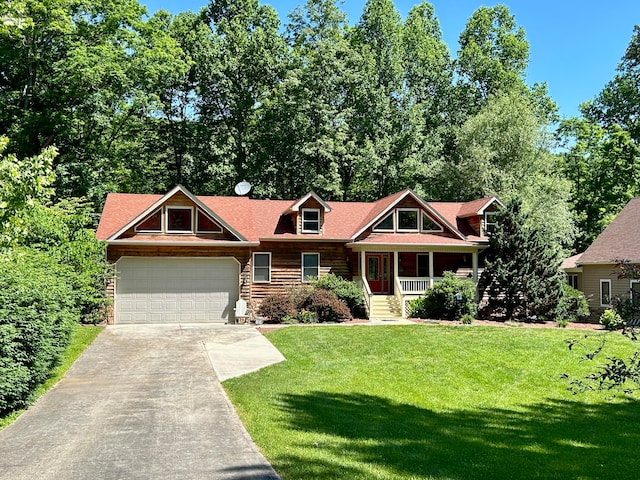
170, 290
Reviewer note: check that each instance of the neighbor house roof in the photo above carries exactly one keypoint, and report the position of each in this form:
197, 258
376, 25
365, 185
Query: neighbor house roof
264, 220
620, 240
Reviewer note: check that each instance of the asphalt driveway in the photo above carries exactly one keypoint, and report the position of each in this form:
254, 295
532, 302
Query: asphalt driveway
142, 402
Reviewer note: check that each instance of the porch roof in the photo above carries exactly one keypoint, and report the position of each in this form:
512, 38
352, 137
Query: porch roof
417, 239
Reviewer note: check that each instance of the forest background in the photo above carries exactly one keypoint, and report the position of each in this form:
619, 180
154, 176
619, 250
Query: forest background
139, 103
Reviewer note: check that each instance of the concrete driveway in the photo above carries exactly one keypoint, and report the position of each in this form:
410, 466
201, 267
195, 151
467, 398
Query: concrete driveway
143, 402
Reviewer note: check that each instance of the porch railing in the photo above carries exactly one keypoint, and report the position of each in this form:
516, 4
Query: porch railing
416, 285
362, 283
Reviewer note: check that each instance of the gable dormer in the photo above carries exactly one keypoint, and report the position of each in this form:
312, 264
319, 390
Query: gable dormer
308, 214
480, 214
178, 213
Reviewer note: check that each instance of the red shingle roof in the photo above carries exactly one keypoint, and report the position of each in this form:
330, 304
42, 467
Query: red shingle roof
257, 220
620, 240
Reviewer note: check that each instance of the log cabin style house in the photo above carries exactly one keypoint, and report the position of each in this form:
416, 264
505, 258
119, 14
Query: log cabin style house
185, 258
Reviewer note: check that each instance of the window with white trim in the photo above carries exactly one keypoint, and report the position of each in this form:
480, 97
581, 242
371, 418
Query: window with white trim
179, 219
205, 224
310, 220
429, 225
153, 223
408, 219
489, 222
605, 293
385, 225
572, 280
262, 267
310, 266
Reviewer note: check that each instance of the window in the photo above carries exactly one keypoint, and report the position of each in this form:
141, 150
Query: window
572, 280
310, 220
262, 267
408, 220
385, 225
428, 225
489, 222
635, 292
206, 224
153, 223
310, 266
422, 264
179, 219
605, 293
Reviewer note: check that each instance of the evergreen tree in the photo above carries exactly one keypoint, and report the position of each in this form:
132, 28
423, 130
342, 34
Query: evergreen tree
522, 277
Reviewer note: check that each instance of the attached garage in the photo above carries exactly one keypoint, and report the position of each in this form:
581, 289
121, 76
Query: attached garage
171, 290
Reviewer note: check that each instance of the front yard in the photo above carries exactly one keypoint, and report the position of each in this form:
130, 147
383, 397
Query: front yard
434, 402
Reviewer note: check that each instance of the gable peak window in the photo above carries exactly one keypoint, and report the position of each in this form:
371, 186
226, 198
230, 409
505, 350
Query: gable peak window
429, 225
310, 220
179, 219
408, 219
207, 225
153, 223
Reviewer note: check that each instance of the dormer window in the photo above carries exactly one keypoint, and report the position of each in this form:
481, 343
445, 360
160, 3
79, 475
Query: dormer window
408, 219
310, 220
386, 224
428, 225
179, 220
153, 223
489, 222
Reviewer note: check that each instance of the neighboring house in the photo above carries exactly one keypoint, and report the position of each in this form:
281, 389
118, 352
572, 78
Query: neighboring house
594, 271
184, 258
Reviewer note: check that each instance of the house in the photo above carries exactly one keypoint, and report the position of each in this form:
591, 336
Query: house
594, 271
185, 258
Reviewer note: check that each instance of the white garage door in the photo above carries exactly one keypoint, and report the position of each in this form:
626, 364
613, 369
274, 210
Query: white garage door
167, 290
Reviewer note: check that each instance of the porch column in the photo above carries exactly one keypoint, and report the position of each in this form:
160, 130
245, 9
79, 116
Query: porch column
430, 268
363, 265
395, 265
474, 264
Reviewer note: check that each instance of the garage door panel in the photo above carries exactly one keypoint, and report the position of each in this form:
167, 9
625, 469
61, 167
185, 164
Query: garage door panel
165, 290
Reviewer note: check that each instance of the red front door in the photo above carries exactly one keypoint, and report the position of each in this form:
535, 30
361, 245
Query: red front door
377, 273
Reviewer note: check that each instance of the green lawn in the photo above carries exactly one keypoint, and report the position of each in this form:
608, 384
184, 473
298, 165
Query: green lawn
418, 402
81, 338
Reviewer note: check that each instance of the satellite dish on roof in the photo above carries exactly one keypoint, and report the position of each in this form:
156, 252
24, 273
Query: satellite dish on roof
242, 188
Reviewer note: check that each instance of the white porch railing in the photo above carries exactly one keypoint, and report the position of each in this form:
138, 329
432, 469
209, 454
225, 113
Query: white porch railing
416, 285
362, 283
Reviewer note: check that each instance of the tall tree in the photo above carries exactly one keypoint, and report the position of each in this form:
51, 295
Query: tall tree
237, 70
522, 277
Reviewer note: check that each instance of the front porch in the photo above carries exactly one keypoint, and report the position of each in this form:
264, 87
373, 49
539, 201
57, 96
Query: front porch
406, 273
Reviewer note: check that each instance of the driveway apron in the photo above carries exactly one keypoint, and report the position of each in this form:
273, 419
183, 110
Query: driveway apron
142, 402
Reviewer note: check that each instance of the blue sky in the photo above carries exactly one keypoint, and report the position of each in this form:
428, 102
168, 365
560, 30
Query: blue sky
575, 45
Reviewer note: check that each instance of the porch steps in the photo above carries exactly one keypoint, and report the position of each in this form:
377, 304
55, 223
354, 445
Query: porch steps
385, 307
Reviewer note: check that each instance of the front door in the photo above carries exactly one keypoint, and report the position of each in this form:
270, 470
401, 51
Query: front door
377, 273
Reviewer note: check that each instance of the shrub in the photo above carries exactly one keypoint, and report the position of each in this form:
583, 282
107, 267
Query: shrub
572, 307
611, 320
276, 307
467, 319
326, 306
305, 316
344, 290
450, 298
37, 314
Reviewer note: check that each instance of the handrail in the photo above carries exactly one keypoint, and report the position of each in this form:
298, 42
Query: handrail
362, 282
399, 293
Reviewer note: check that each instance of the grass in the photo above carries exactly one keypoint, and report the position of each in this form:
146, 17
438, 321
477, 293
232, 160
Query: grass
81, 338
434, 402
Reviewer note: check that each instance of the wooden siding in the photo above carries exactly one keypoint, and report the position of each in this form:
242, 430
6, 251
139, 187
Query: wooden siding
590, 285
475, 222
286, 264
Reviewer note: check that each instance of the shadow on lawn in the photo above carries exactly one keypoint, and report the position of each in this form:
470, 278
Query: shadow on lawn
555, 439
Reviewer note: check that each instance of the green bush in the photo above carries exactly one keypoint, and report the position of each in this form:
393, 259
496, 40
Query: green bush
326, 306
572, 307
450, 299
467, 319
344, 290
611, 320
276, 307
37, 314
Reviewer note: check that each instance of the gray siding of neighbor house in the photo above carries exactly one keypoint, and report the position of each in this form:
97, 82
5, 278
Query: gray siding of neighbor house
591, 276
